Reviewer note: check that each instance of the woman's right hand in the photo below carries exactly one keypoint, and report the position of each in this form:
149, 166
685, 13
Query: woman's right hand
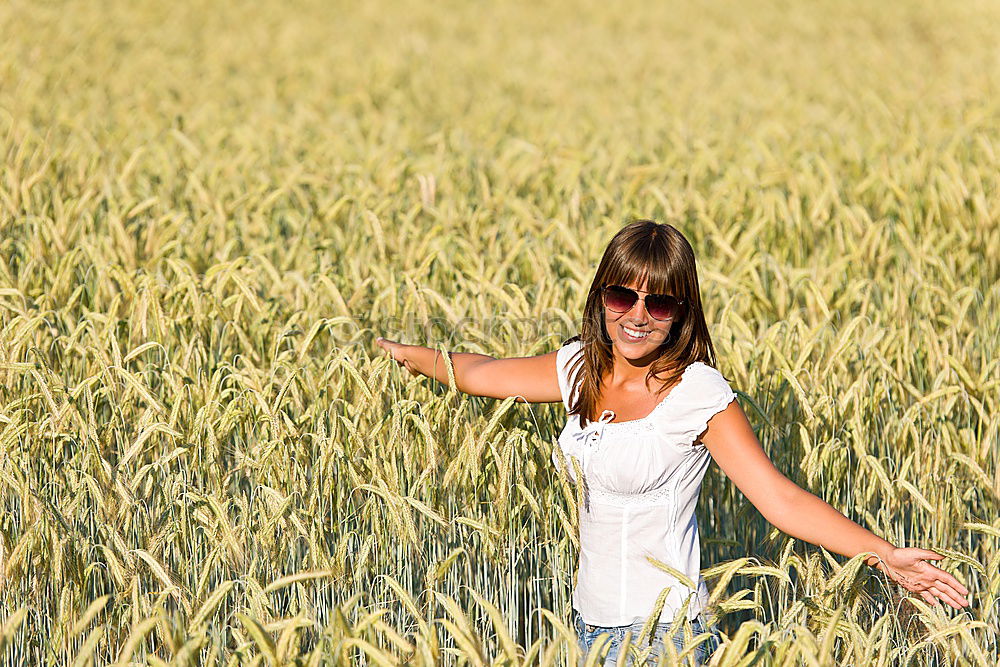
398, 353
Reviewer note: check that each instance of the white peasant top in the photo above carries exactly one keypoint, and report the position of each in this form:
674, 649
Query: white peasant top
641, 484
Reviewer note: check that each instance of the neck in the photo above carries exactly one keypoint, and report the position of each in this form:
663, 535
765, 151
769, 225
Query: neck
625, 370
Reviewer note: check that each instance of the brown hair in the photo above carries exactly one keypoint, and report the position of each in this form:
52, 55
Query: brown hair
656, 252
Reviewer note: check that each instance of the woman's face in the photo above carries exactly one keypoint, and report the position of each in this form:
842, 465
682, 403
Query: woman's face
635, 334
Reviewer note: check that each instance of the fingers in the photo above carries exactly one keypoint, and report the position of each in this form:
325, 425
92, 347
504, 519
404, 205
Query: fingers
952, 594
940, 585
390, 347
932, 583
947, 595
946, 592
930, 599
951, 585
945, 585
948, 580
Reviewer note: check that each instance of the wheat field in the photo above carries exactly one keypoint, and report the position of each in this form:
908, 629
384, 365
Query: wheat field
209, 211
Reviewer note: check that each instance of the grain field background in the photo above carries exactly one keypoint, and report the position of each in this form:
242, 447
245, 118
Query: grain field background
208, 211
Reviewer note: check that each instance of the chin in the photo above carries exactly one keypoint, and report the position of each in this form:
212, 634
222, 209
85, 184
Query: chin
632, 354
631, 350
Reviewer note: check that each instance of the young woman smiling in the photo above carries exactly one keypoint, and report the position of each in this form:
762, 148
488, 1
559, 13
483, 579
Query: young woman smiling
647, 411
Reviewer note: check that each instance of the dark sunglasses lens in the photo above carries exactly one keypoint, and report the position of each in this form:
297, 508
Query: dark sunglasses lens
619, 299
663, 306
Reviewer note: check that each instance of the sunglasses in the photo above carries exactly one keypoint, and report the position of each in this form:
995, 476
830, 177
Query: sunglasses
659, 306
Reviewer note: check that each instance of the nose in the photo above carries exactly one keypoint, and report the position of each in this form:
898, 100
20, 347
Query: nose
638, 310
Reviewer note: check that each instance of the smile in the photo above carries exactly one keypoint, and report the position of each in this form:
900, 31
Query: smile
632, 334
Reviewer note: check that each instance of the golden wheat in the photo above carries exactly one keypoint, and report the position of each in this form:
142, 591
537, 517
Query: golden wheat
208, 214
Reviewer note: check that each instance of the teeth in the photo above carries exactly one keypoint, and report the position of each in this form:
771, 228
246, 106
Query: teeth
635, 334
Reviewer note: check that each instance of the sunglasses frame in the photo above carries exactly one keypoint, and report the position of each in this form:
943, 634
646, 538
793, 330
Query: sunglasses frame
640, 296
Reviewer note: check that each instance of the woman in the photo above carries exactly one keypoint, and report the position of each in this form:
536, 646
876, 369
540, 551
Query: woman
647, 412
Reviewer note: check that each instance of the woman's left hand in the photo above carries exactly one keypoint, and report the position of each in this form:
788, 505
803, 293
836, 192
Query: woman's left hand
908, 567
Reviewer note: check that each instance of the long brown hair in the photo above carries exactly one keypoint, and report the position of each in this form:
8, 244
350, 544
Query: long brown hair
642, 250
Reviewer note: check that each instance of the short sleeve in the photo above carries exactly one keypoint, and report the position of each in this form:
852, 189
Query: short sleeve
704, 393
565, 357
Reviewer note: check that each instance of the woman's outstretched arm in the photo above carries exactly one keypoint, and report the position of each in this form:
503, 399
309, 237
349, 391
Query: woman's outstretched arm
532, 378
793, 510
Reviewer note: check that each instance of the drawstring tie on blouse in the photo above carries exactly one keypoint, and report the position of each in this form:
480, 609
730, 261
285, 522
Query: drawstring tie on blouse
597, 434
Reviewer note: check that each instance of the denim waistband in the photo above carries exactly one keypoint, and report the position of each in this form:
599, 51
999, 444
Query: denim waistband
699, 621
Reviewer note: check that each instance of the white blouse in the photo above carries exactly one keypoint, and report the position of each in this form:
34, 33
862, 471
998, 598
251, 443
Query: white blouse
641, 481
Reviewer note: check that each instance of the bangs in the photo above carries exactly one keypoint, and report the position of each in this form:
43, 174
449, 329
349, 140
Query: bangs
652, 261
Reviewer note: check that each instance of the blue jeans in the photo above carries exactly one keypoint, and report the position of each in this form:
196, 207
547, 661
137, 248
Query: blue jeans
588, 635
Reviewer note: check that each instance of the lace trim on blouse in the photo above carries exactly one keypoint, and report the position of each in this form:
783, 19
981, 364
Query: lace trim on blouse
661, 496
